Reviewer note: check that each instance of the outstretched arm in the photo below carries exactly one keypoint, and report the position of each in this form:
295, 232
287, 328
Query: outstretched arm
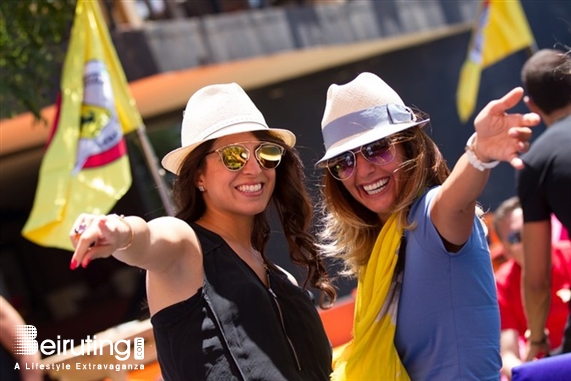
499, 136
156, 245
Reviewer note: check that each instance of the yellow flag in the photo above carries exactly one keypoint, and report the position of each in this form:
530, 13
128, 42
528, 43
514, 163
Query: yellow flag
85, 167
502, 29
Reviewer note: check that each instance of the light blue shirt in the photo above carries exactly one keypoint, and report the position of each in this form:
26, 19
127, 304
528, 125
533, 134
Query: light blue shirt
448, 325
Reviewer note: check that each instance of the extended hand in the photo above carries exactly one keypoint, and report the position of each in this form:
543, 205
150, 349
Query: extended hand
97, 236
503, 136
533, 351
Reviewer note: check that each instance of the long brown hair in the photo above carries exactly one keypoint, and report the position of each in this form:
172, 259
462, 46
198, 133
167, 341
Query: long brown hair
293, 206
350, 229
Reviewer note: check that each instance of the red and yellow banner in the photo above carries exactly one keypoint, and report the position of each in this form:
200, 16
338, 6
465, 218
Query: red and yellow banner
85, 168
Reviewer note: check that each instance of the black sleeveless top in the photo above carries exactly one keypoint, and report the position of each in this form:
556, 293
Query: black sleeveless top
234, 328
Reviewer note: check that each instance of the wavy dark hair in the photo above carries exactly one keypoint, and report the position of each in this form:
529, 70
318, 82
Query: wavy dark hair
293, 205
350, 229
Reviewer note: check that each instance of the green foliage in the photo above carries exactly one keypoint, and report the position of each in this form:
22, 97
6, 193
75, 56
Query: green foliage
33, 34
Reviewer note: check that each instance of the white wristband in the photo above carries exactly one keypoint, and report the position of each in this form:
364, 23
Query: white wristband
473, 159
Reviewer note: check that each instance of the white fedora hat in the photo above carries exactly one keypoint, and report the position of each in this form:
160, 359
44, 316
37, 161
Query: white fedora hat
360, 112
215, 111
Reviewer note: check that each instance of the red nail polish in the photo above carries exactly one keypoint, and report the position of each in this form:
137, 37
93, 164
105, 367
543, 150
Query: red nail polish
86, 262
73, 264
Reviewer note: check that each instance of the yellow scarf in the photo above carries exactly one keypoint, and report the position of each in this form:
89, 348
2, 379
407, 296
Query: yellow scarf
371, 354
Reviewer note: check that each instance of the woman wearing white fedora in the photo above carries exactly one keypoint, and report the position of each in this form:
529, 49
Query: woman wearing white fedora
220, 309
409, 229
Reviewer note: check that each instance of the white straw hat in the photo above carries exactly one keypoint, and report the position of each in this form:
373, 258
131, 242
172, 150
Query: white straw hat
360, 112
215, 111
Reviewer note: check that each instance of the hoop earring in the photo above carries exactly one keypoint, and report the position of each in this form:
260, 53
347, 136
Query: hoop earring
201, 188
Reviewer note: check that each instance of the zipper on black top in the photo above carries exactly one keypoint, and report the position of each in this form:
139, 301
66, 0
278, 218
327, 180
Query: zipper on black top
275, 297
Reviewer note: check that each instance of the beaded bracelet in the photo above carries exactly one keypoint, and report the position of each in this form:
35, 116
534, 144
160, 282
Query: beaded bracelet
473, 159
122, 218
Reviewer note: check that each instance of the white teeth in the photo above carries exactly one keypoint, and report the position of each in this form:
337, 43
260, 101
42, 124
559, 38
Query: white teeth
376, 187
249, 188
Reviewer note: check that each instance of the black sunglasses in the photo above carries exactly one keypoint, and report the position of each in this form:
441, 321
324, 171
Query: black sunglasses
380, 152
235, 156
514, 237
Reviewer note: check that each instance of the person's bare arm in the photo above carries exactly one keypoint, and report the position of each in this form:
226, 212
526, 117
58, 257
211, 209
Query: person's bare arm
167, 247
536, 278
500, 136
9, 319
155, 245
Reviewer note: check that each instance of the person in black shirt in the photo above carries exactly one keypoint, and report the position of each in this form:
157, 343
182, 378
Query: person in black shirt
220, 308
544, 186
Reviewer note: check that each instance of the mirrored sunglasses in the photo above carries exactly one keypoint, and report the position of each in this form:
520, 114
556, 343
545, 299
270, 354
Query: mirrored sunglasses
380, 152
514, 237
235, 156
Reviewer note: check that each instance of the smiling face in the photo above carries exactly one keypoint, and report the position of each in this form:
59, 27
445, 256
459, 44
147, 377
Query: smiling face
246, 191
376, 186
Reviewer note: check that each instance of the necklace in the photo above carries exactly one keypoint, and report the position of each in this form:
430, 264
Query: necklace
257, 254
228, 240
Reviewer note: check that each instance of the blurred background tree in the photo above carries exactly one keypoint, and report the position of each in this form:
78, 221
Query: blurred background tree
33, 34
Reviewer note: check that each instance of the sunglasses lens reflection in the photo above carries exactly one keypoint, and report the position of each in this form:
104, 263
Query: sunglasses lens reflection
269, 155
341, 167
380, 152
235, 157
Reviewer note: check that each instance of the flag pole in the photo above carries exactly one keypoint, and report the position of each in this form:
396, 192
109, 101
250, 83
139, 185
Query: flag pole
149, 153
158, 178
531, 50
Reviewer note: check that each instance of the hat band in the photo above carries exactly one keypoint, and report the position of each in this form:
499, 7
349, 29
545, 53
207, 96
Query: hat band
365, 120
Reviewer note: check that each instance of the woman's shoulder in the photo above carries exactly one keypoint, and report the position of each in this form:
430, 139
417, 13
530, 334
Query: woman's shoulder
422, 203
207, 239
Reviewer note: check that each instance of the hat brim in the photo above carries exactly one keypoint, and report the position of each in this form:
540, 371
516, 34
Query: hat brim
173, 160
369, 136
